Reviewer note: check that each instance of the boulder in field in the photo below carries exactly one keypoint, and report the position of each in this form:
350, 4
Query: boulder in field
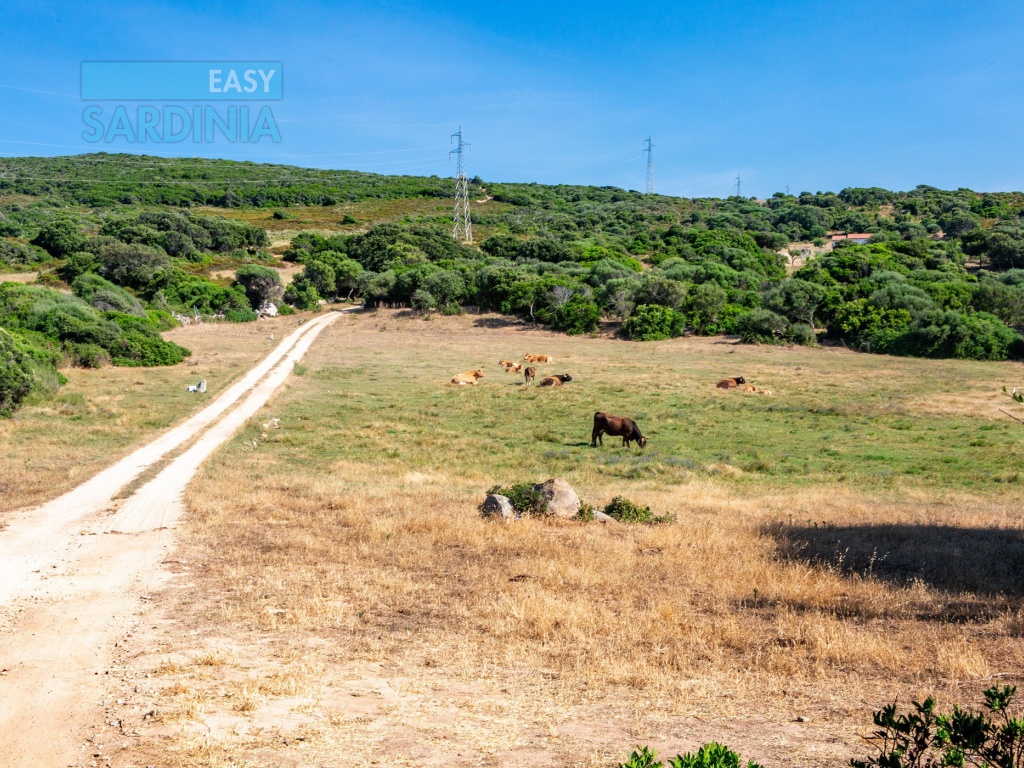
496, 507
561, 499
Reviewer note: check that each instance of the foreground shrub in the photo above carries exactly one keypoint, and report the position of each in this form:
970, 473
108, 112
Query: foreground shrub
713, 755
626, 511
524, 497
923, 738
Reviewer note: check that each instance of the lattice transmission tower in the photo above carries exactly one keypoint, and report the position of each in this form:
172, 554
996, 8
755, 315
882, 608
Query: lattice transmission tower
739, 186
649, 150
462, 229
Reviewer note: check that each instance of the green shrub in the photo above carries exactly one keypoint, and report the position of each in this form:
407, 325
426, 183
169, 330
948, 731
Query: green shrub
762, 326
803, 334
524, 498
577, 316
87, 355
653, 322
239, 315
923, 738
626, 511
302, 294
24, 368
713, 755
105, 296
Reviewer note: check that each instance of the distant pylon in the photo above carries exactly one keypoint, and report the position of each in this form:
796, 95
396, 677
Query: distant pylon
462, 229
649, 149
739, 186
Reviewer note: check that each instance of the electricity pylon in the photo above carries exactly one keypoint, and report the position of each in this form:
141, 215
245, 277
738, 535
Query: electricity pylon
462, 229
649, 149
739, 187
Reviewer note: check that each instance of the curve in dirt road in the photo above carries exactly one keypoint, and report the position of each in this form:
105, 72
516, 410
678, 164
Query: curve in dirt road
59, 642
34, 538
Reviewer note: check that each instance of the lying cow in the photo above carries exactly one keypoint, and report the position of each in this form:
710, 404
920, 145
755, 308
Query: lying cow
732, 383
469, 377
506, 363
538, 358
555, 381
200, 387
514, 368
616, 426
530, 374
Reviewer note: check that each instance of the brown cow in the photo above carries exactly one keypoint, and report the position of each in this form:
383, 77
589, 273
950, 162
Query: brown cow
555, 381
506, 363
732, 383
750, 388
514, 368
530, 374
616, 426
469, 377
538, 358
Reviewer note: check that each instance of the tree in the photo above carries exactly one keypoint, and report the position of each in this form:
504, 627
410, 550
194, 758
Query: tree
262, 285
321, 276
705, 304
797, 300
134, 266
60, 237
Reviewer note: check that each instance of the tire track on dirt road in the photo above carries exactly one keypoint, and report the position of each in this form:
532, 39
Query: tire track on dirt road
58, 626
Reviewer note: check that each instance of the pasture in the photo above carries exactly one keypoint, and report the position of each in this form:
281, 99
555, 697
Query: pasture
854, 537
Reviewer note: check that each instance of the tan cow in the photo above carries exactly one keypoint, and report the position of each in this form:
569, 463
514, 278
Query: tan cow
750, 388
506, 364
764, 391
469, 377
514, 368
538, 358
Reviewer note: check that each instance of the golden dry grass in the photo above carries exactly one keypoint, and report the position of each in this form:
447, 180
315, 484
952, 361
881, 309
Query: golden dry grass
367, 614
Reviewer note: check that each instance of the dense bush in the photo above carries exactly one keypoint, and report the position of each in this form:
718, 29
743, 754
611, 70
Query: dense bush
652, 322
626, 511
105, 296
762, 326
524, 497
24, 368
80, 328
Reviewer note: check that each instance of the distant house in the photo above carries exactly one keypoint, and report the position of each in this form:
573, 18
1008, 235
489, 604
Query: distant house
857, 238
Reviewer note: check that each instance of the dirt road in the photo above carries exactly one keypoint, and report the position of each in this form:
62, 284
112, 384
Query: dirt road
75, 573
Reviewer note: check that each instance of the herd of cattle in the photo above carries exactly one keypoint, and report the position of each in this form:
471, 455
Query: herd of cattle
530, 374
604, 423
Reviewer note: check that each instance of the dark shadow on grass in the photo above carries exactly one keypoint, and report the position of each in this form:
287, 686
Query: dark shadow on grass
503, 322
978, 561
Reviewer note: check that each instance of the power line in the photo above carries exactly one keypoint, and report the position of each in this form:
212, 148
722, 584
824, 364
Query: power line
739, 186
649, 149
462, 229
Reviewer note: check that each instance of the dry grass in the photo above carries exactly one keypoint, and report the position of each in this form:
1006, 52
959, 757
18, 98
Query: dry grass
18, 277
52, 445
372, 616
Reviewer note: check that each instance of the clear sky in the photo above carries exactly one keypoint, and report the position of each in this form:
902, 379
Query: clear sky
809, 94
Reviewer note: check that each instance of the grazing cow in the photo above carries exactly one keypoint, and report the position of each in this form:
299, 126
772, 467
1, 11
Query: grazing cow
616, 426
530, 374
506, 363
469, 377
732, 383
555, 381
514, 368
538, 358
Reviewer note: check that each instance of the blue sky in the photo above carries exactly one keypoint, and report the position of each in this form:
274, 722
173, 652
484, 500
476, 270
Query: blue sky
810, 95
